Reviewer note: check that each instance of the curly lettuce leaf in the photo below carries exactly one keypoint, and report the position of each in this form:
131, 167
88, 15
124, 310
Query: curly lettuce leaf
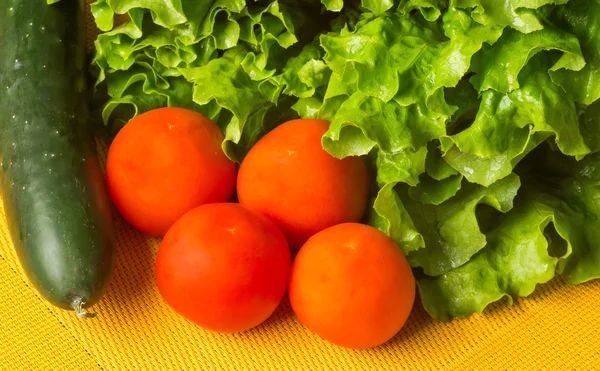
164, 12
305, 73
435, 165
497, 67
140, 63
403, 166
169, 14
434, 192
581, 18
399, 134
377, 6
390, 95
225, 82
333, 5
104, 16
363, 122
589, 124
389, 215
451, 230
507, 126
518, 14
219, 24
141, 89
366, 61
524, 250
467, 100
574, 187
431, 10
381, 95
513, 262
405, 58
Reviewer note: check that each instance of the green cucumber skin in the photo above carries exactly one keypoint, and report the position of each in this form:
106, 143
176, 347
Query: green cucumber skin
51, 182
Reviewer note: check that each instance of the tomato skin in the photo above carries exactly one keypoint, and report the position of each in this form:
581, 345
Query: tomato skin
289, 177
224, 267
351, 285
164, 163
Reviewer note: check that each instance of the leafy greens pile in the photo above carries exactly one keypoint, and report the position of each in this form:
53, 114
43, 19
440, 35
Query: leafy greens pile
480, 119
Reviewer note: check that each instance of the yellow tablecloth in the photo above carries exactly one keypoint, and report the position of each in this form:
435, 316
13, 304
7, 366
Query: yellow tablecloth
557, 328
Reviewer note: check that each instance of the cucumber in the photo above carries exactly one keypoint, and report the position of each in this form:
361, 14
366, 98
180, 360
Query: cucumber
51, 182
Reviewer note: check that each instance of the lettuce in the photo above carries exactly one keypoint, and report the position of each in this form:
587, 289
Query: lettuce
581, 18
508, 125
480, 119
445, 248
554, 227
218, 57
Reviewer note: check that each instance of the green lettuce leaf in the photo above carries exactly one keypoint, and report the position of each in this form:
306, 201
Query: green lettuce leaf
391, 96
497, 67
305, 73
581, 17
333, 5
104, 16
435, 165
507, 124
165, 13
147, 62
402, 166
589, 124
405, 58
431, 10
389, 215
487, 170
225, 82
434, 192
514, 261
377, 6
524, 249
467, 100
399, 134
363, 121
518, 14
574, 190
366, 61
451, 231
142, 91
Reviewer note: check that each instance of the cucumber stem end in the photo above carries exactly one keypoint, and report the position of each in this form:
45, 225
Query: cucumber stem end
77, 305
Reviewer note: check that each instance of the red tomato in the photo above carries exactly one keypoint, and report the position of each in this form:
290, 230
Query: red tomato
164, 163
289, 177
223, 267
352, 285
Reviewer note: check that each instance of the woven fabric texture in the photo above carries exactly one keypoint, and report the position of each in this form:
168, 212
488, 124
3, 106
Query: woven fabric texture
557, 328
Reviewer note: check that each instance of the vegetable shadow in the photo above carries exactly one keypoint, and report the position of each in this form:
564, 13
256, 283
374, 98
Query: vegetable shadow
418, 321
133, 284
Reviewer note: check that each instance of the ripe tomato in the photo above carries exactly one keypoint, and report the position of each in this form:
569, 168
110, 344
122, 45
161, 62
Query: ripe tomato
351, 285
223, 267
289, 177
164, 163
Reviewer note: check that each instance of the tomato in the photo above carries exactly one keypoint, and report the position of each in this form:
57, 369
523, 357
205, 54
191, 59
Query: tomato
164, 163
352, 285
289, 177
223, 267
